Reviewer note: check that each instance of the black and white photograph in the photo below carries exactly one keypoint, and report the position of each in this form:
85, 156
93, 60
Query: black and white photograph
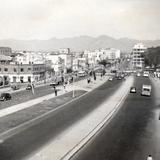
79, 79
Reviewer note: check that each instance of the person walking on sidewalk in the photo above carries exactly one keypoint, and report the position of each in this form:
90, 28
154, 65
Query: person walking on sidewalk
64, 86
55, 91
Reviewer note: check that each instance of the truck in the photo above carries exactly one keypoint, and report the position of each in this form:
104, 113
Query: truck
146, 90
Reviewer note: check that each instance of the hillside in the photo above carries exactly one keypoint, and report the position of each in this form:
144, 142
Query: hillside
76, 43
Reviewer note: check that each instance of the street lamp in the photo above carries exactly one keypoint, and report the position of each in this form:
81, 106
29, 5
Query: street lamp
73, 94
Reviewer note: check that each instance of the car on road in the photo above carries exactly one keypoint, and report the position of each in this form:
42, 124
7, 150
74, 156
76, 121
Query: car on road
110, 78
138, 74
133, 90
146, 90
5, 96
145, 74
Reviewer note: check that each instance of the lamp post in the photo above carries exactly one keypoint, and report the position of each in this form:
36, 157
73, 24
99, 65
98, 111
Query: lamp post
73, 94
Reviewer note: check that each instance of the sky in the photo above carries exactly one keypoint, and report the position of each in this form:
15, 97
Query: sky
45, 19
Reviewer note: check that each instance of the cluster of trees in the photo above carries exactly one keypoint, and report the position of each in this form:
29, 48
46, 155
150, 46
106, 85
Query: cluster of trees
104, 62
152, 56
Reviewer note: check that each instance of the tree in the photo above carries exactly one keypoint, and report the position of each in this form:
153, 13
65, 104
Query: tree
104, 62
152, 56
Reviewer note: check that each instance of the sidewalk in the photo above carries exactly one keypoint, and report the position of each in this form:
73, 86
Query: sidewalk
80, 85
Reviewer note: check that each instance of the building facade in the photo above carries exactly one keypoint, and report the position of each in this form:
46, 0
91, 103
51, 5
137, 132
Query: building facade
22, 73
7, 51
137, 56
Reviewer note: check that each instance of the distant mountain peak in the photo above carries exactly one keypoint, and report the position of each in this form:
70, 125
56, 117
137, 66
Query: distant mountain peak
78, 43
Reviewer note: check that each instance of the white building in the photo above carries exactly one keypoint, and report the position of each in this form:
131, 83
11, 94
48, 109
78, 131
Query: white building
137, 58
61, 61
30, 58
93, 57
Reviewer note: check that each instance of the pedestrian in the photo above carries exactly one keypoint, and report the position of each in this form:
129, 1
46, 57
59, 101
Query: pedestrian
88, 80
55, 91
149, 157
64, 85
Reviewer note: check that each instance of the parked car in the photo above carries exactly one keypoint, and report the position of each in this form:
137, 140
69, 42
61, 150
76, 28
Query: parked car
133, 90
29, 87
5, 96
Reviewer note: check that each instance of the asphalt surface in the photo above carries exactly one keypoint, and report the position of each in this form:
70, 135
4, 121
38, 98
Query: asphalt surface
29, 140
132, 134
20, 96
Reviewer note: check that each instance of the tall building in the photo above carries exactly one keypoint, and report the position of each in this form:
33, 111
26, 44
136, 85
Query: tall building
137, 56
7, 51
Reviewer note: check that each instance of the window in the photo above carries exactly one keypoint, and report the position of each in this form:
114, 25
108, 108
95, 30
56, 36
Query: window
22, 70
15, 70
21, 79
6, 69
0, 69
29, 69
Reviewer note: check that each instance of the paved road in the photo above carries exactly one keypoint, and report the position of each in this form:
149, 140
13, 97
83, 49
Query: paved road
27, 141
132, 134
26, 95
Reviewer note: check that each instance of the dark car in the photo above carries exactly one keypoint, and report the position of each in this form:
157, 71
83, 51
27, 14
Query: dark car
29, 87
15, 87
5, 96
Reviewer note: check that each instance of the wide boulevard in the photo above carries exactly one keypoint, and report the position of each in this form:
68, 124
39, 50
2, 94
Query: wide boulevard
132, 134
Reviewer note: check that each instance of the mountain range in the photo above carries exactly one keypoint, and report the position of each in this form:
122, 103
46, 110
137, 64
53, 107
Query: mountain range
80, 43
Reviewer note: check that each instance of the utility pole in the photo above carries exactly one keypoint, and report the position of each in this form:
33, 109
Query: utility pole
73, 94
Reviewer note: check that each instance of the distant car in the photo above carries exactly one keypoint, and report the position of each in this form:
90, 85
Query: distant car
145, 74
138, 75
133, 90
53, 84
119, 78
15, 86
29, 87
110, 78
5, 96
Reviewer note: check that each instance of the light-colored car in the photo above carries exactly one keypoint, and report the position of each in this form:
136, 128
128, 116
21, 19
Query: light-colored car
110, 78
138, 74
146, 90
133, 90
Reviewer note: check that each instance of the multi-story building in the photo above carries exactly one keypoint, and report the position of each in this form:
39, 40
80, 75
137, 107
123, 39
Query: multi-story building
7, 51
61, 60
30, 58
93, 57
137, 56
22, 73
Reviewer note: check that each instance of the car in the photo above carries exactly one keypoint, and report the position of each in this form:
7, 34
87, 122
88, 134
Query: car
138, 74
146, 90
110, 78
53, 84
29, 87
119, 78
15, 87
5, 96
133, 90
